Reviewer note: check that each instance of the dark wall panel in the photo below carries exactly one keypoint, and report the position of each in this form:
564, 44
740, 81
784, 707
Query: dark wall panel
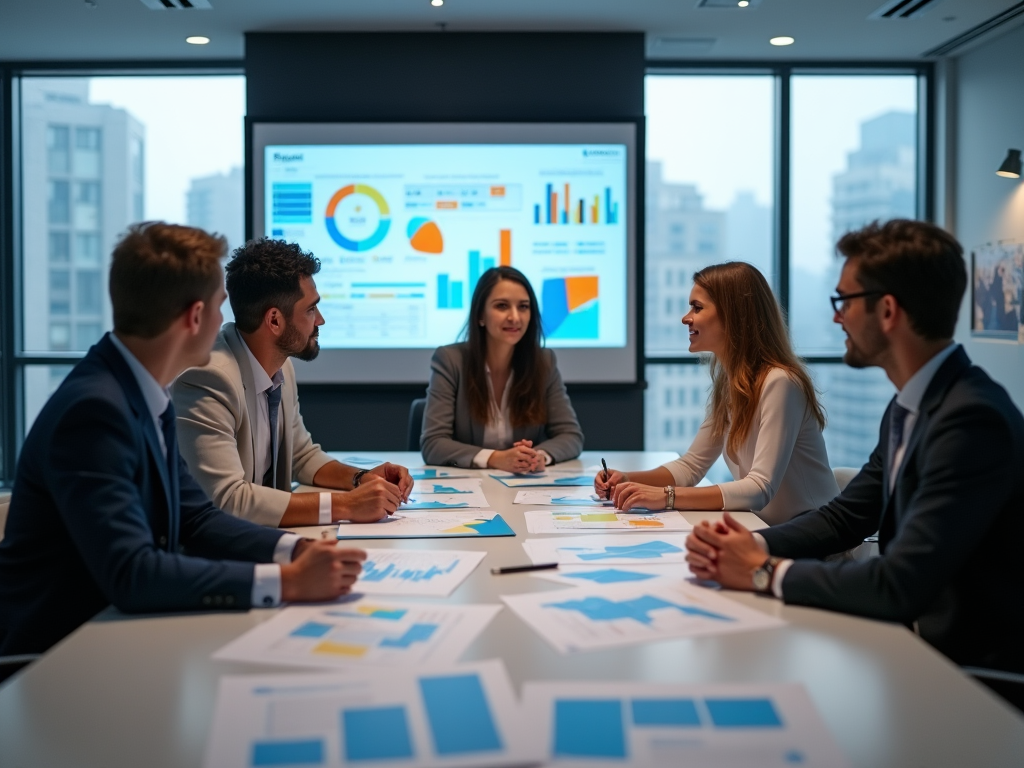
447, 76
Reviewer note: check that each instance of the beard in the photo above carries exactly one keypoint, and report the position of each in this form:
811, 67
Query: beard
294, 344
865, 352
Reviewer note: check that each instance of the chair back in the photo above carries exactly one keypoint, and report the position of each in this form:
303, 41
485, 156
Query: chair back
5, 502
416, 408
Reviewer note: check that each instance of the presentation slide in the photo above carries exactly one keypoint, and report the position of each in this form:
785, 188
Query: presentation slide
405, 230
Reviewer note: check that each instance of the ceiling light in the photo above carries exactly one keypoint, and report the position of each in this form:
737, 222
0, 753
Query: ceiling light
197, 40
743, 3
1011, 166
783, 40
437, 3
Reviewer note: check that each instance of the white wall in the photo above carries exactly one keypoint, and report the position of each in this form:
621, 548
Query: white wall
989, 119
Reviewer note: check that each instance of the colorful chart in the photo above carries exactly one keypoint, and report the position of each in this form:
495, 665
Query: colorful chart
383, 224
424, 235
570, 307
444, 523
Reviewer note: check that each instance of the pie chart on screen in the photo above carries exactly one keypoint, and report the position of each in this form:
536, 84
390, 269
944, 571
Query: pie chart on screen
424, 235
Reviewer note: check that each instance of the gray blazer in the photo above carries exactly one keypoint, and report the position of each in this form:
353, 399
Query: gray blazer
451, 436
215, 405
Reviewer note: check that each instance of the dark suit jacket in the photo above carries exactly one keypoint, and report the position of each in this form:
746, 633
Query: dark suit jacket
950, 533
97, 517
451, 436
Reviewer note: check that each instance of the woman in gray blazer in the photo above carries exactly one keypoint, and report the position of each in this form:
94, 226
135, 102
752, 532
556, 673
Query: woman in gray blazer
497, 400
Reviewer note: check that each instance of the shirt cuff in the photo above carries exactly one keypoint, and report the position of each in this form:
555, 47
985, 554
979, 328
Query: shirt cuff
266, 585
761, 542
481, 459
780, 574
547, 456
285, 548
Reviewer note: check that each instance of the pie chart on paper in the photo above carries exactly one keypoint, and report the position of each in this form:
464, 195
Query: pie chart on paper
424, 235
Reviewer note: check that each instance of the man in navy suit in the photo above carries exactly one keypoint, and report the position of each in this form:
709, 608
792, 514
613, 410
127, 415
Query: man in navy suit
943, 488
104, 510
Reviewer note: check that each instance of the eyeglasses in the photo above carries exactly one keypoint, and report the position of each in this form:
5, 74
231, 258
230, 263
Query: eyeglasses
841, 300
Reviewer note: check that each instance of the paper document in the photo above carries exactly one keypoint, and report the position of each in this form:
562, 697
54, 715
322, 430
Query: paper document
609, 549
433, 572
571, 497
421, 525
434, 473
431, 718
362, 631
588, 618
541, 479
447, 494
727, 725
587, 519
585, 575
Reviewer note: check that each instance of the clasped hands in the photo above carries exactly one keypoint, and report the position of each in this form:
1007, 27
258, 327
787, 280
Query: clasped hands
519, 459
724, 551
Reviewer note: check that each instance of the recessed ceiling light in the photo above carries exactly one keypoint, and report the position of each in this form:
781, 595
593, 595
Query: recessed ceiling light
197, 40
783, 40
437, 3
743, 3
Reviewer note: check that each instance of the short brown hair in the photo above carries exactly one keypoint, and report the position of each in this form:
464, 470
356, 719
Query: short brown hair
157, 271
919, 264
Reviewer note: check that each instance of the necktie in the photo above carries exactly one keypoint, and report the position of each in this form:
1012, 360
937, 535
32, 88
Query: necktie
171, 446
897, 420
273, 408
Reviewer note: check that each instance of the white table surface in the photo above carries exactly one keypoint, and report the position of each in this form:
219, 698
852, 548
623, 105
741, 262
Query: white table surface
139, 691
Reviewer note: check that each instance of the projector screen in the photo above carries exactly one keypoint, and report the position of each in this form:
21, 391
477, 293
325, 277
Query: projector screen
406, 217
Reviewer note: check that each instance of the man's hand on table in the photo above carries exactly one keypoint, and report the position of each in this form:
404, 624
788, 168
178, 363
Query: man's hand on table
320, 570
395, 474
724, 551
373, 500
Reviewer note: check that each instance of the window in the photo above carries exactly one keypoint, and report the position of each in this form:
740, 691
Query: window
60, 249
57, 154
88, 292
58, 205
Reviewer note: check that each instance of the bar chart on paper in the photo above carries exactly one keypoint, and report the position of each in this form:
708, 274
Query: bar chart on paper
592, 617
415, 572
570, 520
646, 724
363, 631
609, 549
443, 524
445, 717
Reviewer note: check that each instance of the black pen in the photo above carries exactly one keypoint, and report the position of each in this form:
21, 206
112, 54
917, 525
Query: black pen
608, 491
523, 568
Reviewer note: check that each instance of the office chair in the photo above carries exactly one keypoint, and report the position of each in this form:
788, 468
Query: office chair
416, 422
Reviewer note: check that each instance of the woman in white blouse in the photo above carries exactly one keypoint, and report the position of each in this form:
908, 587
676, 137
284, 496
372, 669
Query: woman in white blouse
763, 414
497, 400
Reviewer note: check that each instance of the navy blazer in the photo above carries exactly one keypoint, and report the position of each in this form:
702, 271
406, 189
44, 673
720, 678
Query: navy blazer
99, 517
949, 533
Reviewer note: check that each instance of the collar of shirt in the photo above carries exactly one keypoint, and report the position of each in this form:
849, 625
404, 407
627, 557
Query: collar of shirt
156, 397
259, 373
910, 396
503, 404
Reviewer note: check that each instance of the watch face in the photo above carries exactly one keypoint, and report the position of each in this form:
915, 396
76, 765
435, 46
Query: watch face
761, 579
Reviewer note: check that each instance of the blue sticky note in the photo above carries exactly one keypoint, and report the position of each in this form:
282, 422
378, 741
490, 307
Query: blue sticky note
589, 728
743, 713
680, 713
460, 717
379, 733
297, 752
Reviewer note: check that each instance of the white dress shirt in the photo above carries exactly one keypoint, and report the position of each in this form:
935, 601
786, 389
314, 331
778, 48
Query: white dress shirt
498, 429
266, 582
261, 422
910, 398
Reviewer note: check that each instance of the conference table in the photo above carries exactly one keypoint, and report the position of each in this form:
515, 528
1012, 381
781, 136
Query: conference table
140, 690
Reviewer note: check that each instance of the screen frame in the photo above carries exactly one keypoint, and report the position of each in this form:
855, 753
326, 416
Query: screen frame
376, 366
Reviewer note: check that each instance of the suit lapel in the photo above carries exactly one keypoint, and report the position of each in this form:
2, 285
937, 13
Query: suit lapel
113, 358
248, 384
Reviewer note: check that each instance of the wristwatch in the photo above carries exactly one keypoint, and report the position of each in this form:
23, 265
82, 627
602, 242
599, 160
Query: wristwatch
764, 574
670, 497
358, 476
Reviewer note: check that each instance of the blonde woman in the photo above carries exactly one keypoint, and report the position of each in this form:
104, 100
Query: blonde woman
763, 413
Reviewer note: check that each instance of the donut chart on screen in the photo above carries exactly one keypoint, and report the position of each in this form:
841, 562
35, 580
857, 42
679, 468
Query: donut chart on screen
383, 225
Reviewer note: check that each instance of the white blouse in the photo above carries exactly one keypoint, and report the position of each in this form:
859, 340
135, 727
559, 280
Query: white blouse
781, 468
498, 429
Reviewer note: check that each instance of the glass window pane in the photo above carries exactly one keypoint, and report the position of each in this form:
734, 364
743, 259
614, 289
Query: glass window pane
710, 160
40, 381
854, 401
99, 153
671, 423
854, 160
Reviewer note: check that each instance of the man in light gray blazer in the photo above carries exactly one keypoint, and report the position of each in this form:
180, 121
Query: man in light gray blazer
239, 426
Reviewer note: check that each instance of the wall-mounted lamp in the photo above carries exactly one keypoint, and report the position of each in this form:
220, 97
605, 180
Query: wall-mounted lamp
1011, 165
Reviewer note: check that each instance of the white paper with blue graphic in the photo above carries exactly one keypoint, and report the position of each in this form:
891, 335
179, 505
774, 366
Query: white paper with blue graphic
588, 618
439, 717
589, 575
430, 572
567, 497
438, 473
548, 478
609, 549
698, 725
588, 520
446, 493
358, 631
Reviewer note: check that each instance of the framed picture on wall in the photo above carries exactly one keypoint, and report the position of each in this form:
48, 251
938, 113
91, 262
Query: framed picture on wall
997, 291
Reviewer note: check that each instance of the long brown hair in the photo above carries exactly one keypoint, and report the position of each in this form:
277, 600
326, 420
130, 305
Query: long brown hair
526, 401
757, 341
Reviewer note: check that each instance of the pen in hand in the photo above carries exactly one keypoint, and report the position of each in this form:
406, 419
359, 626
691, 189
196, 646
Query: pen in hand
607, 491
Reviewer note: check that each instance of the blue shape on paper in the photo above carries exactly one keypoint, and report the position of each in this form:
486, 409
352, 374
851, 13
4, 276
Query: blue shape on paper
638, 609
362, 461
423, 474
577, 480
311, 629
460, 717
439, 488
794, 756
420, 504
610, 576
300, 752
377, 613
589, 728
417, 633
680, 713
379, 733
743, 713
372, 573
651, 550
577, 501
496, 526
